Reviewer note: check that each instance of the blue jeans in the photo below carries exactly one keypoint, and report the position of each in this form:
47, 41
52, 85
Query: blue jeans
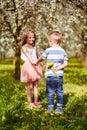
54, 85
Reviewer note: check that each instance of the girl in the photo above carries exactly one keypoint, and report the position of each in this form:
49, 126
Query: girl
30, 73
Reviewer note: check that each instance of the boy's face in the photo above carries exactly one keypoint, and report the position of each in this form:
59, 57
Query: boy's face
52, 40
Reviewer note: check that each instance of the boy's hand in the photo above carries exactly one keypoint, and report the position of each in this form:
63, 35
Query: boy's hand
54, 69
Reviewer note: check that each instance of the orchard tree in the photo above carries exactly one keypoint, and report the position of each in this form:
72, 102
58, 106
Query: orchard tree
12, 21
15, 17
43, 16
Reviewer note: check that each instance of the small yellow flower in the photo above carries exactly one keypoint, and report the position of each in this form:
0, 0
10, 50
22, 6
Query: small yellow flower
48, 123
76, 95
26, 103
33, 115
84, 113
50, 65
16, 115
21, 117
46, 113
26, 113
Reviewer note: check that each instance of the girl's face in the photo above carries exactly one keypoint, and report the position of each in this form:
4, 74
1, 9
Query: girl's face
31, 38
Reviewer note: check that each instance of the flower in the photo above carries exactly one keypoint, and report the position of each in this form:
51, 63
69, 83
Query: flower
50, 65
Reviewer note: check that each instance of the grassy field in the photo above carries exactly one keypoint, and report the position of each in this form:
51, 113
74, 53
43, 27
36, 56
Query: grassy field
14, 114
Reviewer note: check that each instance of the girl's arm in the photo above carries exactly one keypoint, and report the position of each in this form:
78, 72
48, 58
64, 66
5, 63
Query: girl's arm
38, 55
24, 50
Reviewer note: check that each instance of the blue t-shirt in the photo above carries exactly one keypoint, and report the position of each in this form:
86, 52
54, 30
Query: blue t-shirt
57, 55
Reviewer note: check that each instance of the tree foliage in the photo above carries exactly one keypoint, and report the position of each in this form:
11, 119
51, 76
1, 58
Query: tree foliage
43, 16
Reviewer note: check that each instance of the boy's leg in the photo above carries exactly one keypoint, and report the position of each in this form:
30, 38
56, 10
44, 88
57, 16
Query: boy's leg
60, 96
50, 108
50, 90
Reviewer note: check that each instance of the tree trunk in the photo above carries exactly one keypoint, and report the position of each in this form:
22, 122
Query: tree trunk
17, 63
85, 58
84, 41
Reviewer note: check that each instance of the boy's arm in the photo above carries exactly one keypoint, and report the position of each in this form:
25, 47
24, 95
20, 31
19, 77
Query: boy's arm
40, 59
63, 65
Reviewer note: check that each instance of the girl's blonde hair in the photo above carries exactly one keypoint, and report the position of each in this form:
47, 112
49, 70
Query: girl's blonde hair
25, 36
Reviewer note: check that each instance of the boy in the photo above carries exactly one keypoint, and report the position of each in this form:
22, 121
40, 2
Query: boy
54, 76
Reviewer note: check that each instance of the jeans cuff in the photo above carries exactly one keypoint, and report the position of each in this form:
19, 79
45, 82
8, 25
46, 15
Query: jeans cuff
59, 105
50, 106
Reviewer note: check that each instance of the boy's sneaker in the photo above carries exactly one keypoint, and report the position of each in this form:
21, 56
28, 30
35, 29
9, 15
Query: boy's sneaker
50, 109
37, 104
59, 110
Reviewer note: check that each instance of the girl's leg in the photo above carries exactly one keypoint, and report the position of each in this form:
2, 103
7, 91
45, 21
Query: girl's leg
29, 92
36, 103
36, 91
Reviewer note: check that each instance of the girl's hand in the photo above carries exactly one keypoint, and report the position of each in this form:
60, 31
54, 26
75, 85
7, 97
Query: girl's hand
37, 62
34, 62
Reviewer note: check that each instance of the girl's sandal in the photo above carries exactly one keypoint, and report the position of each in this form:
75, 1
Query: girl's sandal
32, 105
37, 104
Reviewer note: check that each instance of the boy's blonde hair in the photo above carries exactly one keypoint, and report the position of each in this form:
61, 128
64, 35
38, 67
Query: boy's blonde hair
56, 36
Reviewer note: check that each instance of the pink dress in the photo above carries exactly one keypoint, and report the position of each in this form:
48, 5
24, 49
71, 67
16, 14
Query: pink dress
29, 72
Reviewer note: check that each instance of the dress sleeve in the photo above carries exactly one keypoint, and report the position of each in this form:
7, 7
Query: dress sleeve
23, 56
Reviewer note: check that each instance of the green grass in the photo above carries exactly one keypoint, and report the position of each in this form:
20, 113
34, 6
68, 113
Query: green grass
14, 114
74, 88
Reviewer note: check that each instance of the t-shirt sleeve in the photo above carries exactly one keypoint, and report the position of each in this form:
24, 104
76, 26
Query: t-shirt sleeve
44, 55
65, 57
